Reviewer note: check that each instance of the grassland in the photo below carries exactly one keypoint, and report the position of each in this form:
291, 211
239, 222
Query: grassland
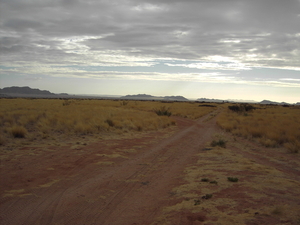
272, 126
35, 119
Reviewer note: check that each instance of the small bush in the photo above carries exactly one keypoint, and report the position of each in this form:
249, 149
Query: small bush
220, 142
163, 111
18, 131
204, 179
110, 122
232, 179
207, 196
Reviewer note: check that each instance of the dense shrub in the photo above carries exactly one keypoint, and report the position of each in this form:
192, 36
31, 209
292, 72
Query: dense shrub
241, 108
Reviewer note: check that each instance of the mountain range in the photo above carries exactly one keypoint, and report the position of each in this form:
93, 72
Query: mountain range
150, 97
37, 93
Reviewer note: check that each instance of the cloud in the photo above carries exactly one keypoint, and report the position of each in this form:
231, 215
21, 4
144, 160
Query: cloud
233, 35
213, 66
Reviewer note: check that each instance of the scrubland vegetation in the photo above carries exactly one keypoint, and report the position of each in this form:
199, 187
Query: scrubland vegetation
44, 118
272, 126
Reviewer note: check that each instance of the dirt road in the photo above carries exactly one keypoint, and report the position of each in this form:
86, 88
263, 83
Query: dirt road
155, 178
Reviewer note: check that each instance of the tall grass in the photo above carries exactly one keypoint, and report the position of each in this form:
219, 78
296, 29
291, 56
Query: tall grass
42, 118
272, 126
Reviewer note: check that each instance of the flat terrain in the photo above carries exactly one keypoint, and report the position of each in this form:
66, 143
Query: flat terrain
168, 177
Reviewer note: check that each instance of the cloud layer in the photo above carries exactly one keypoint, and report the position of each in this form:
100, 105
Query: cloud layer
53, 36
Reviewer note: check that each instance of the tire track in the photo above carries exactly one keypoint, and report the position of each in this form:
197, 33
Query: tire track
132, 190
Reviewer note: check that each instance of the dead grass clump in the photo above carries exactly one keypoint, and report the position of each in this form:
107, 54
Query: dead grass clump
18, 131
268, 142
82, 128
292, 147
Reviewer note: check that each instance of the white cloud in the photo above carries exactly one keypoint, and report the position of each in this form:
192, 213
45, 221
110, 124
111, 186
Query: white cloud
214, 66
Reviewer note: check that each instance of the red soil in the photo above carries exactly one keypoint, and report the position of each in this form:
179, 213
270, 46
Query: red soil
131, 180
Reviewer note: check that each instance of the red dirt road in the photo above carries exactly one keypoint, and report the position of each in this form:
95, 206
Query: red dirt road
151, 179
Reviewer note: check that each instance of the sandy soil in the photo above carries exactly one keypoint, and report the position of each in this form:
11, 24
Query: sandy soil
167, 177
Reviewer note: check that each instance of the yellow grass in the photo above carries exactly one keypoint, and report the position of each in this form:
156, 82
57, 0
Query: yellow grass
272, 126
45, 118
49, 184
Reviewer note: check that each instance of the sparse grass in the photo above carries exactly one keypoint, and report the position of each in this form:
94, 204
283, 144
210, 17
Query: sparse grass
213, 182
277, 210
272, 126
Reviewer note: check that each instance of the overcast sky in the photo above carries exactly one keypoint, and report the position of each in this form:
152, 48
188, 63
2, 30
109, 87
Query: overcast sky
229, 49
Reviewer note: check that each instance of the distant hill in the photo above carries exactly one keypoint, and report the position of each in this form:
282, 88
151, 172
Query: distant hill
268, 102
8, 91
210, 100
150, 97
175, 98
139, 96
